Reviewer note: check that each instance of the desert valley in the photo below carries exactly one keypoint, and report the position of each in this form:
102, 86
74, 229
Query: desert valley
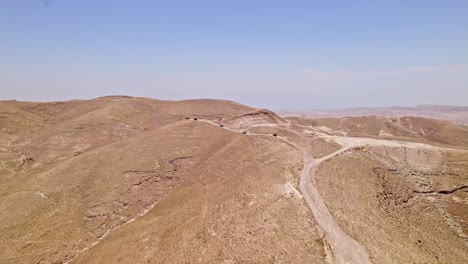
121, 179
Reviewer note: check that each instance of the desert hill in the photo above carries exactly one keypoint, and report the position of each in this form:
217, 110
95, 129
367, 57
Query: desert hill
47, 132
121, 179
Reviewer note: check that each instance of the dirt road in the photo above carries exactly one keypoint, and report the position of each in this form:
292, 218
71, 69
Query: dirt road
345, 249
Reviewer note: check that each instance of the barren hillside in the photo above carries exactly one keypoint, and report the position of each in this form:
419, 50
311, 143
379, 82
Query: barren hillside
381, 195
136, 180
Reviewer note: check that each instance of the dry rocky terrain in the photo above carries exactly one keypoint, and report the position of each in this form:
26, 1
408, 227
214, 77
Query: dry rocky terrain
135, 180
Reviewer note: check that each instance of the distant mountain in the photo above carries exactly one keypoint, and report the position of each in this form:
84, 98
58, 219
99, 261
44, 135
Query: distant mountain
408, 128
442, 112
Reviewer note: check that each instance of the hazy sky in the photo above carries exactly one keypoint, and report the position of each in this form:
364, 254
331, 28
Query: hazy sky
275, 54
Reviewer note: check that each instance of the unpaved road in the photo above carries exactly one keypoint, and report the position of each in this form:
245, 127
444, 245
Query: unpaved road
345, 249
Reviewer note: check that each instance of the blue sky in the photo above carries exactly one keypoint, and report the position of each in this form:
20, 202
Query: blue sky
276, 54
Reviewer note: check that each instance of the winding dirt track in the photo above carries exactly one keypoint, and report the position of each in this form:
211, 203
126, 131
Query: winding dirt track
345, 248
